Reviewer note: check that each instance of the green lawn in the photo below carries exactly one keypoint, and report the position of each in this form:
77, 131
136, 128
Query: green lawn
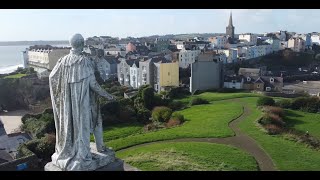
212, 96
15, 76
202, 121
286, 154
188, 156
304, 121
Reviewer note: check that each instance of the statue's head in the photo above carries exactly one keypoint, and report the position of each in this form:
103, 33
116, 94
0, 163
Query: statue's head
100, 53
77, 42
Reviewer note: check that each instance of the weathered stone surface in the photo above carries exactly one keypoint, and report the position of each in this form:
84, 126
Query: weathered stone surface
101, 161
73, 89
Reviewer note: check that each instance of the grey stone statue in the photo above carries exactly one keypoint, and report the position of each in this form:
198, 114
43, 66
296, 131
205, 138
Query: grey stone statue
73, 87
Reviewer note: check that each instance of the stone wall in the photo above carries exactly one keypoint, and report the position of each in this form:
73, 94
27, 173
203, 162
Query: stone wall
29, 163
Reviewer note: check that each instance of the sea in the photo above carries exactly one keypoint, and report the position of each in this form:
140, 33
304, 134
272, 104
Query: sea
11, 57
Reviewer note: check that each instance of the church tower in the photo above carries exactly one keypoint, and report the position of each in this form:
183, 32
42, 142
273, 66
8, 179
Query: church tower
230, 28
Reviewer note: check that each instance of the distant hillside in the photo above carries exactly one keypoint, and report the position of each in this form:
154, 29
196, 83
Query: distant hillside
31, 43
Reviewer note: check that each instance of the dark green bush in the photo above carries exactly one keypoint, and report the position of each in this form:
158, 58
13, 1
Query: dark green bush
43, 148
308, 104
161, 114
265, 101
38, 127
143, 115
197, 101
178, 116
176, 105
284, 103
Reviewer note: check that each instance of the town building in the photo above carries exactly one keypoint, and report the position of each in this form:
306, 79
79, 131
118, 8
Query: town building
166, 75
115, 51
249, 38
230, 28
315, 39
206, 74
219, 42
44, 59
187, 57
296, 44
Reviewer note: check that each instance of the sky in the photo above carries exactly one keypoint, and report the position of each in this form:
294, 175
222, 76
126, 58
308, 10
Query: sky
60, 24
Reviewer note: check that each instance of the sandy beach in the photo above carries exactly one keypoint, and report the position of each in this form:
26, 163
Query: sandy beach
12, 120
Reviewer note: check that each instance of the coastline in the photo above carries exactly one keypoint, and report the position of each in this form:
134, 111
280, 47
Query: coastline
9, 69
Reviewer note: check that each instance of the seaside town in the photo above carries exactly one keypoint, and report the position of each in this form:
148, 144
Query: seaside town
219, 101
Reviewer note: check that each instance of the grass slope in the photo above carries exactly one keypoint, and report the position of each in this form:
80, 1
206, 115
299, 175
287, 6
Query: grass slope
202, 121
15, 76
304, 121
189, 156
286, 154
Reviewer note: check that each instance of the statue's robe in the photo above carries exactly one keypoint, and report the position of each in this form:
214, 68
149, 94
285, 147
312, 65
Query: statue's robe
70, 83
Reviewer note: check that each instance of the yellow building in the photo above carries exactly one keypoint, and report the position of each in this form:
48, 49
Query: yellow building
166, 75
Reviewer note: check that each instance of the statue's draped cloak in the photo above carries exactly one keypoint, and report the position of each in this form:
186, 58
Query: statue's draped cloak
70, 94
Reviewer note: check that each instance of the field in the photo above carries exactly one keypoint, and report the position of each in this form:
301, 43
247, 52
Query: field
211, 121
15, 76
202, 121
189, 156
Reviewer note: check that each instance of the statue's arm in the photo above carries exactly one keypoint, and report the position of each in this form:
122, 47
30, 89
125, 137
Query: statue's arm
97, 88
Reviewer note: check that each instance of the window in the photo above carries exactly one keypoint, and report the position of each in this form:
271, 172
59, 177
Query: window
268, 88
258, 86
271, 80
168, 73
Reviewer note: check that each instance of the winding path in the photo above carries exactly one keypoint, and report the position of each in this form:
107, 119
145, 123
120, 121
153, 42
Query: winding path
240, 140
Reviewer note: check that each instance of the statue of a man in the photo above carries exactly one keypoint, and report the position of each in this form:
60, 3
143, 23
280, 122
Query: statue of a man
71, 82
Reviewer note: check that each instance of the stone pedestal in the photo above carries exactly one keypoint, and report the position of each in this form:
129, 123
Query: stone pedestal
101, 161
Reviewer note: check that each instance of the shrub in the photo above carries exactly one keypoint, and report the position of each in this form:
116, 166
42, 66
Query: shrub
176, 105
43, 148
270, 118
265, 101
161, 114
153, 126
273, 129
274, 110
197, 101
177, 116
173, 122
298, 103
308, 104
148, 97
284, 103
38, 127
127, 114
143, 115
177, 92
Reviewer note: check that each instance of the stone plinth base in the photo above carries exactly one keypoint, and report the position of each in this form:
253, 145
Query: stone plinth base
101, 161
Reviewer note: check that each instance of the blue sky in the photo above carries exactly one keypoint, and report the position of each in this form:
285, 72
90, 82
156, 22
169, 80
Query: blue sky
60, 24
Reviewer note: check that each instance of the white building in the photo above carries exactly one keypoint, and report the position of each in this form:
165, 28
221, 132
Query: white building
115, 51
235, 82
134, 76
187, 57
275, 43
231, 54
44, 60
219, 42
315, 39
25, 58
250, 38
